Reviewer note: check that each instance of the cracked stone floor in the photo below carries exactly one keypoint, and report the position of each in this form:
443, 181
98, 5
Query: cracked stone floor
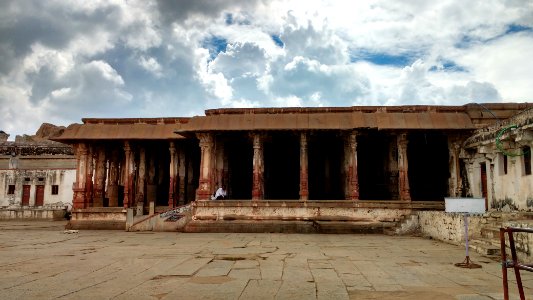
39, 261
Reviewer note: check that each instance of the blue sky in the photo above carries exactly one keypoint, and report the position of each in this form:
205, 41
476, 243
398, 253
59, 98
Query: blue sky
61, 61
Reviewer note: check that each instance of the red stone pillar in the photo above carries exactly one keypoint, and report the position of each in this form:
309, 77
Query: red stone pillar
89, 179
403, 178
205, 187
112, 183
100, 177
182, 168
353, 178
172, 172
79, 187
129, 170
258, 168
304, 173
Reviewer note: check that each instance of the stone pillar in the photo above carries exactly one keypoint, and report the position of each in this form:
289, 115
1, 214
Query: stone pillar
353, 179
403, 178
190, 177
182, 168
455, 181
151, 187
304, 173
129, 169
219, 179
258, 168
90, 174
141, 181
99, 177
112, 182
172, 173
79, 187
205, 187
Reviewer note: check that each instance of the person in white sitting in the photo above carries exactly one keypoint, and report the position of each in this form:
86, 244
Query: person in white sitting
220, 194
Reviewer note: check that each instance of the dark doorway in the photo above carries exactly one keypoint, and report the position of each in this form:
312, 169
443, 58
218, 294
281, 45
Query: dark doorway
282, 166
483, 169
162, 172
427, 155
240, 155
326, 153
376, 181
39, 195
26, 195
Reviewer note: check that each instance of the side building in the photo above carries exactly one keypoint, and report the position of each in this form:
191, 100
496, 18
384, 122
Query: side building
36, 176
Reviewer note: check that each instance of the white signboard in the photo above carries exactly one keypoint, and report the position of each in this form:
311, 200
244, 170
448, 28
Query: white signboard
465, 205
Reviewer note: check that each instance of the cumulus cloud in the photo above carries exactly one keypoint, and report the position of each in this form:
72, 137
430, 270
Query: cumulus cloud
64, 60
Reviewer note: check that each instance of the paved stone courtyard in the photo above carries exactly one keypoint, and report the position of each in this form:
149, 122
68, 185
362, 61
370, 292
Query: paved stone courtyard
39, 261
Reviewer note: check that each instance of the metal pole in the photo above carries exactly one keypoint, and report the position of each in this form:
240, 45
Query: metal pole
466, 234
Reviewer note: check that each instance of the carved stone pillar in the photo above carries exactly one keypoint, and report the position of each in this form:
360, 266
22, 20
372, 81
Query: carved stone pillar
90, 174
258, 168
112, 183
99, 177
353, 178
182, 168
141, 181
129, 169
455, 181
205, 187
219, 176
403, 178
304, 173
79, 187
172, 171
151, 187
190, 178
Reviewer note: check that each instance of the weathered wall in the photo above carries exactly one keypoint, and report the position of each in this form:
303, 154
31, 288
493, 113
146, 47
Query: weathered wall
33, 214
448, 227
294, 210
523, 241
63, 178
511, 192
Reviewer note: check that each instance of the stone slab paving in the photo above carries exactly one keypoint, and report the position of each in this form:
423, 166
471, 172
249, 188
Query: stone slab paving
39, 261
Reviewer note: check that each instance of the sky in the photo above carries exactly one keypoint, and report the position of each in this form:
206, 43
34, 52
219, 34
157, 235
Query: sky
61, 61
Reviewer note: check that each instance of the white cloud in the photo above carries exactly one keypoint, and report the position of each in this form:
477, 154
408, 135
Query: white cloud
64, 60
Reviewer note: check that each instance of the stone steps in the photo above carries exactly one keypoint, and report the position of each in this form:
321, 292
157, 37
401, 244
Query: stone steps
280, 226
485, 246
408, 224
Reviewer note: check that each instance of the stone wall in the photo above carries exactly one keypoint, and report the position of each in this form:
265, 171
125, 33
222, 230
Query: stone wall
33, 214
390, 211
449, 227
523, 241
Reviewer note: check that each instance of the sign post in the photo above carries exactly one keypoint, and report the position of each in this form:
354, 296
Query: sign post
466, 206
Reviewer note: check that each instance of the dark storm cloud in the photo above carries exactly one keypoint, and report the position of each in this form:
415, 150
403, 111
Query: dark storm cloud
180, 10
25, 23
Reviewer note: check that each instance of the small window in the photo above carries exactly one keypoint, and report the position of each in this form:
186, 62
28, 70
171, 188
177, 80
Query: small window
27, 179
505, 164
527, 160
11, 189
55, 189
41, 178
